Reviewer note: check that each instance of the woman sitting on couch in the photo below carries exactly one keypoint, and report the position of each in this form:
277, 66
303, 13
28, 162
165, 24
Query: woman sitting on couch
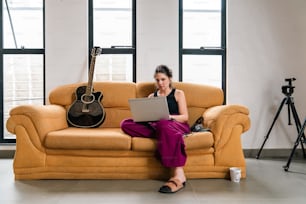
169, 133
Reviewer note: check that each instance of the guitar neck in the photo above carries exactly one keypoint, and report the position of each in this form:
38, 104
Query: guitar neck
90, 76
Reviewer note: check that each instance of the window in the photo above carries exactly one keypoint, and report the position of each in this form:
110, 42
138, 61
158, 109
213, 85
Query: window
112, 26
21, 57
202, 42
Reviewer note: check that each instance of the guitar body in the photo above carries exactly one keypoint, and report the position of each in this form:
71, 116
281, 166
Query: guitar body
86, 111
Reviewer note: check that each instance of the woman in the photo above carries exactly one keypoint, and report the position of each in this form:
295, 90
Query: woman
169, 133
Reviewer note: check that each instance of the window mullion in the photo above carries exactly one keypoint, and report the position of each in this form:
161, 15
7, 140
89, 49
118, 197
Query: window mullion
203, 51
23, 51
118, 50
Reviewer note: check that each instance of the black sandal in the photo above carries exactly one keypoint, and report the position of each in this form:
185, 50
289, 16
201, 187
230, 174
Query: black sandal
172, 186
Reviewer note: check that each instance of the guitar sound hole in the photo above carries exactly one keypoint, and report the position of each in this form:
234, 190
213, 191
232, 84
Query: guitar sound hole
87, 99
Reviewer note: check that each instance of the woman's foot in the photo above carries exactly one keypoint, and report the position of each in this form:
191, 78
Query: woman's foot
176, 182
172, 186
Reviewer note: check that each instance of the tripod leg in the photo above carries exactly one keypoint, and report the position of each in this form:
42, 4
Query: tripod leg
289, 116
295, 115
304, 153
303, 141
298, 126
298, 139
269, 131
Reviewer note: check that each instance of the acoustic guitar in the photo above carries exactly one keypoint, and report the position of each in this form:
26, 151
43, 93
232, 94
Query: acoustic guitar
87, 111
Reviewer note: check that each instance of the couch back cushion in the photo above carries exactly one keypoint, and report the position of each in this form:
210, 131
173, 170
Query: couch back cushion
114, 101
116, 95
198, 97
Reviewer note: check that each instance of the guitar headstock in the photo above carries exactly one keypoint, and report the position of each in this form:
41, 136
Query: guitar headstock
95, 51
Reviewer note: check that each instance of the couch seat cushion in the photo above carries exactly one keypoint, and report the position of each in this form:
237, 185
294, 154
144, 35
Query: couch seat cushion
199, 140
93, 138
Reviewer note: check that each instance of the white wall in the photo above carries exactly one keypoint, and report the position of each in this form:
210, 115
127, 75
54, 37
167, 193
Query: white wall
157, 37
66, 42
266, 43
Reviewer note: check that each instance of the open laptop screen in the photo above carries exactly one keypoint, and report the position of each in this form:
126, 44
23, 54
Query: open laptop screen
149, 109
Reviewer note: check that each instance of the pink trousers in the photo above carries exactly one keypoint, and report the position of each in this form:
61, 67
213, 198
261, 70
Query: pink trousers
169, 135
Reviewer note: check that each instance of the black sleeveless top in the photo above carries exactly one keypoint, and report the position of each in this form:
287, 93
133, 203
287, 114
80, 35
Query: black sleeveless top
172, 103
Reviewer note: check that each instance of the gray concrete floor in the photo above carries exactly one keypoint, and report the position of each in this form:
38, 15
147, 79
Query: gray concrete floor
266, 182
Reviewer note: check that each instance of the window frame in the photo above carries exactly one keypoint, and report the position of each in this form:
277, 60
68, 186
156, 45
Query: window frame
25, 51
114, 49
220, 51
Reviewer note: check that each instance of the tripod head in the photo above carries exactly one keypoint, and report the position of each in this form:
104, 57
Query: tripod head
288, 89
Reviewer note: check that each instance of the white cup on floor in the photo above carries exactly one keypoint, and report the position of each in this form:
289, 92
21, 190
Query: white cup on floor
235, 174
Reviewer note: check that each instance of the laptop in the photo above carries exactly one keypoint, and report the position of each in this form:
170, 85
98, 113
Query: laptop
149, 109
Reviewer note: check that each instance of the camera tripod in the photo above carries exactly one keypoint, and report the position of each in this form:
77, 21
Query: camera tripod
288, 100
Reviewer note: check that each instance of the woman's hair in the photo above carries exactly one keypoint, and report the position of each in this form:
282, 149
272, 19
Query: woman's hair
164, 70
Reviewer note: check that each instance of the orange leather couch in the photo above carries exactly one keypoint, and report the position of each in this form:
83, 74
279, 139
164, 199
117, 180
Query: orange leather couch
47, 148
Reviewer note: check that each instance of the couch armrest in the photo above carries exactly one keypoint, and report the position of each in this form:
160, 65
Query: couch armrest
227, 123
37, 121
